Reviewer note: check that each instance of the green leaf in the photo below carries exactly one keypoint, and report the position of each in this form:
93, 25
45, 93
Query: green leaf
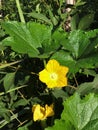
59, 36
39, 16
4, 111
92, 125
89, 72
78, 114
64, 58
59, 93
77, 44
82, 47
74, 21
53, 18
23, 128
79, 3
52, 45
3, 108
88, 62
22, 40
21, 102
1, 47
85, 88
81, 43
27, 38
86, 21
56, 38
61, 125
9, 81
92, 33
40, 33
88, 87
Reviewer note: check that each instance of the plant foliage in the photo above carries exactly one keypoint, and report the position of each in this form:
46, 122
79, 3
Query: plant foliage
78, 114
33, 32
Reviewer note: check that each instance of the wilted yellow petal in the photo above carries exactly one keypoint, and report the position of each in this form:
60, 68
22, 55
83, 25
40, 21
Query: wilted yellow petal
38, 112
41, 113
49, 110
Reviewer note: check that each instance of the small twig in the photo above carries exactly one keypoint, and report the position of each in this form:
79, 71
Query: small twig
15, 116
23, 97
34, 73
11, 90
72, 87
8, 64
22, 123
75, 80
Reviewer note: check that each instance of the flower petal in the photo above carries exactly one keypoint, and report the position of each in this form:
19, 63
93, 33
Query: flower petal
62, 82
49, 110
52, 66
41, 113
44, 76
38, 112
63, 70
51, 84
54, 75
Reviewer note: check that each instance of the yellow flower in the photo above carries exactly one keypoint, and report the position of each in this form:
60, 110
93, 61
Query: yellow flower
54, 75
41, 113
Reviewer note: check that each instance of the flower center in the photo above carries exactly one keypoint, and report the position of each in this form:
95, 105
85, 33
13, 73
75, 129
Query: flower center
53, 76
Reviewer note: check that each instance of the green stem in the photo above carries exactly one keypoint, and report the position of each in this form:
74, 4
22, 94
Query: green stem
43, 124
44, 62
20, 11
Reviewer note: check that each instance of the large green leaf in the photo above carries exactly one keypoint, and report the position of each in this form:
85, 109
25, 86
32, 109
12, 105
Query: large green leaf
78, 114
80, 50
77, 43
40, 33
27, 38
59, 36
81, 43
56, 38
81, 112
